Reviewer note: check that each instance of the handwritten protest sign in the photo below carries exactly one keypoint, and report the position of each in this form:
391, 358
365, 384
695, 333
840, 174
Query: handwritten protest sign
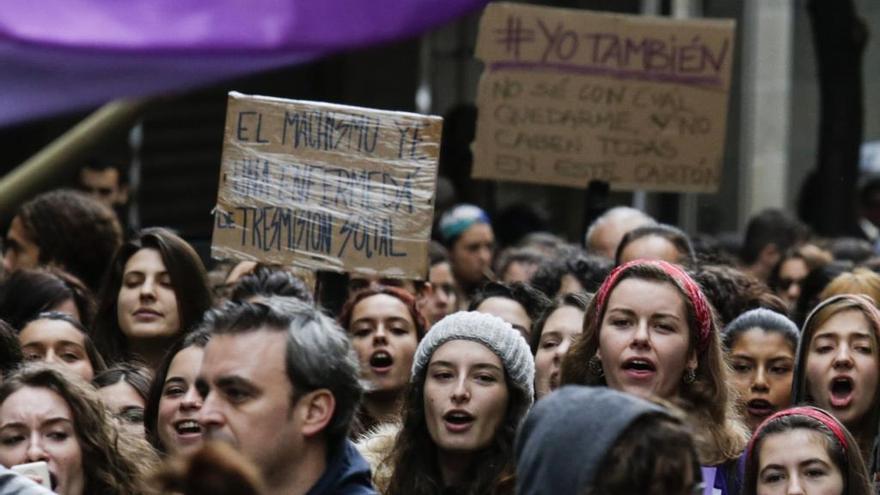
326, 186
570, 96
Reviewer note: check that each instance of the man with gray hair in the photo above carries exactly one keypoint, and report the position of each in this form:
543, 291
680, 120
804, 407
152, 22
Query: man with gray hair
605, 232
279, 381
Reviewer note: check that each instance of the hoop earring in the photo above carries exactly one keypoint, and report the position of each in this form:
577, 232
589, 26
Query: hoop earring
690, 376
595, 365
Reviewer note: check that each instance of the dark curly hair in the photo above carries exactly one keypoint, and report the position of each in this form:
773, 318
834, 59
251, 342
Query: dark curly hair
733, 292
73, 231
588, 269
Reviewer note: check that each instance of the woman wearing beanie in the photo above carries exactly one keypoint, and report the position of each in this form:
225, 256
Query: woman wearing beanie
651, 332
838, 364
472, 383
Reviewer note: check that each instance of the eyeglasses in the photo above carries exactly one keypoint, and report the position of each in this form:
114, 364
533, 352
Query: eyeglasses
785, 283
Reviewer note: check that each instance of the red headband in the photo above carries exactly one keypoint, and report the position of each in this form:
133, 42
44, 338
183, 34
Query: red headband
811, 412
684, 281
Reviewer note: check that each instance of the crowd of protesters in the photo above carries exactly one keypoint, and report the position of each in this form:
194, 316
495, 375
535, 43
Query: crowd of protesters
638, 360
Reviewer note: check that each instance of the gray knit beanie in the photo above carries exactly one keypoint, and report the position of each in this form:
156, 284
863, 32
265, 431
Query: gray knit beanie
491, 331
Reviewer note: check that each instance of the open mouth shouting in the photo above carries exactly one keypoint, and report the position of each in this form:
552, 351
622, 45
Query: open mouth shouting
381, 362
842, 388
639, 368
760, 408
458, 421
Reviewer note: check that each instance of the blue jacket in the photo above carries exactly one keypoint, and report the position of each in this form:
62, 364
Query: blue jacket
347, 473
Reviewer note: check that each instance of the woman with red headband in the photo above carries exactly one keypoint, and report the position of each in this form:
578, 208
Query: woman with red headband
651, 332
804, 450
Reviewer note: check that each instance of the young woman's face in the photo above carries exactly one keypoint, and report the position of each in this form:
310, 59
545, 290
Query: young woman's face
763, 364
465, 396
643, 339
177, 425
147, 305
36, 424
443, 299
797, 461
57, 342
792, 273
383, 334
559, 330
842, 367
126, 405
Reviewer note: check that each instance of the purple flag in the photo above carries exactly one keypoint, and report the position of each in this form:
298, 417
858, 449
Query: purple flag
63, 55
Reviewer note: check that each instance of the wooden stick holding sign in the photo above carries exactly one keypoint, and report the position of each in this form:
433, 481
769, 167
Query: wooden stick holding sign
570, 96
327, 187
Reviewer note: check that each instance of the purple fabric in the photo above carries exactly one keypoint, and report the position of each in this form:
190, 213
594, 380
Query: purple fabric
62, 55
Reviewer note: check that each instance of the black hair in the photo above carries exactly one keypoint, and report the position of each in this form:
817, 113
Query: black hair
590, 271
674, 235
766, 320
74, 231
533, 301
579, 301
509, 256
92, 352
188, 279
26, 293
198, 338
767, 227
11, 356
269, 280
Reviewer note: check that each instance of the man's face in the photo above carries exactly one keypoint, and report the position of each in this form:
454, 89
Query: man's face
103, 185
248, 399
19, 251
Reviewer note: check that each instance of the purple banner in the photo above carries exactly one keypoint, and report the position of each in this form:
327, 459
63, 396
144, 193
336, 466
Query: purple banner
64, 55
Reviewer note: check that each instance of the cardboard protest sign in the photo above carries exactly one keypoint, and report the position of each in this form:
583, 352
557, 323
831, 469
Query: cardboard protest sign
569, 96
326, 187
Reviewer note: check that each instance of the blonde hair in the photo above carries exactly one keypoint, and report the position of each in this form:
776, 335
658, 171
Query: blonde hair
858, 281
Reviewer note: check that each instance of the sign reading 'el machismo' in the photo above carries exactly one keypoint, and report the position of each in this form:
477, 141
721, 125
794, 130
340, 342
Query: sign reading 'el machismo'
326, 187
570, 96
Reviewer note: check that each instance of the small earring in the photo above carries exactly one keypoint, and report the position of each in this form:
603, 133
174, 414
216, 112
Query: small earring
595, 365
690, 376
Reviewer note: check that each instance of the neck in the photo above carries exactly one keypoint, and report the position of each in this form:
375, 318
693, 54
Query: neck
298, 477
864, 435
383, 407
150, 351
454, 466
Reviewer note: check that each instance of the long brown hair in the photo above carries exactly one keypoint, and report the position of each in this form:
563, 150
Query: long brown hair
820, 315
188, 279
708, 401
114, 463
414, 457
